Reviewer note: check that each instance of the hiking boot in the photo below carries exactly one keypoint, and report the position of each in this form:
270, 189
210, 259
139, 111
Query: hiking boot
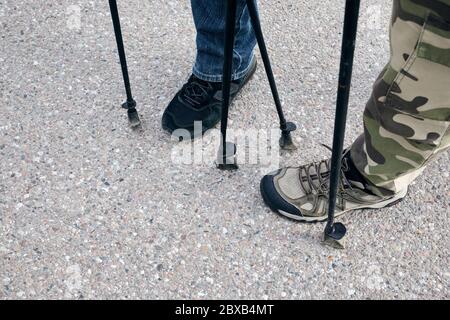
200, 100
302, 193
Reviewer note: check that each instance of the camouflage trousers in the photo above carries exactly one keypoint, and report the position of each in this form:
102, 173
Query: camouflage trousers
407, 119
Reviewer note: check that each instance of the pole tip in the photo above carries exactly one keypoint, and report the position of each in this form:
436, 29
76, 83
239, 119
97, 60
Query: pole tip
227, 160
333, 236
286, 141
134, 119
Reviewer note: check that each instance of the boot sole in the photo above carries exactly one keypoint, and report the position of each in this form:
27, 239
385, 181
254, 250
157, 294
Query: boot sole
383, 204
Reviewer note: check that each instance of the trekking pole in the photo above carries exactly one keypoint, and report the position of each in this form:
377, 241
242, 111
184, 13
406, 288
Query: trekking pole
130, 104
227, 151
286, 128
335, 232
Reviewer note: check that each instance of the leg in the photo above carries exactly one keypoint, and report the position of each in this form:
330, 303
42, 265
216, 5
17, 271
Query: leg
200, 100
209, 19
406, 122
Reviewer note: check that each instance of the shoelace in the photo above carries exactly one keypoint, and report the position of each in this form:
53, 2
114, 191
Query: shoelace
322, 169
195, 91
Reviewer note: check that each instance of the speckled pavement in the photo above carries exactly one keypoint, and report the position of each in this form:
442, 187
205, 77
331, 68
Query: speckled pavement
91, 209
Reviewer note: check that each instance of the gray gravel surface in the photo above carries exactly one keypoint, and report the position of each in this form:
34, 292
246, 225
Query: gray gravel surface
91, 209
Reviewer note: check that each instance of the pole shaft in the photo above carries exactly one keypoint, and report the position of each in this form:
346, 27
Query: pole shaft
345, 77
227, 69
256, 23
120, 47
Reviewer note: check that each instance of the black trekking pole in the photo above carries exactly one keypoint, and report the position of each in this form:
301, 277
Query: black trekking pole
335, 232
130, 104
286, 128
227, 152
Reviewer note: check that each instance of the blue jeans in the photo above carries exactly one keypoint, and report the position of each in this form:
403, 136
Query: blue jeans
209, 19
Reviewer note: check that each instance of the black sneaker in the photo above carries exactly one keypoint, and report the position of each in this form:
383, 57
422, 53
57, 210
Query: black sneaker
200, 100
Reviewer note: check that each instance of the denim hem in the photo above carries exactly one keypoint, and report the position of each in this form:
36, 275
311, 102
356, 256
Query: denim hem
218, 78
